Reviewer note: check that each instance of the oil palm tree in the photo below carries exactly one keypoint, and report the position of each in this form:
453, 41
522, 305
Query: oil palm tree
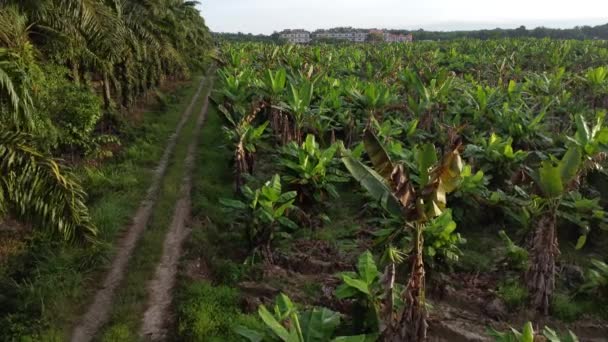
126, 47
33, 186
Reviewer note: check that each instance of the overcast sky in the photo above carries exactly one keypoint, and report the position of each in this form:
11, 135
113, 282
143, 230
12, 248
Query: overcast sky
266, 16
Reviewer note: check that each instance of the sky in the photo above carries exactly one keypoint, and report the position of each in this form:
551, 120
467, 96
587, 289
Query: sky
266, 16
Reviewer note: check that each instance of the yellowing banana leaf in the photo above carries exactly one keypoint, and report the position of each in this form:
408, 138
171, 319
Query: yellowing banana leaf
449, 172
378, 155
401, 186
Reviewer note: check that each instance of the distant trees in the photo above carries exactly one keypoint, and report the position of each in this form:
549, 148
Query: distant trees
580, 33
247, 37
375, 37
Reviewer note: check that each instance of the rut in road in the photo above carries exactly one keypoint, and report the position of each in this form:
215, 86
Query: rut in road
99, 310
156, 318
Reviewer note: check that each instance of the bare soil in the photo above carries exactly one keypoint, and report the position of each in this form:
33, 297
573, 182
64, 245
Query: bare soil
157, 316
99, 310
457, 315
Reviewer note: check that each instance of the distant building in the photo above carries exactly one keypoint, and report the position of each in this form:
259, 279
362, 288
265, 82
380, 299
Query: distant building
394, 38
398, 38
347, 34
296, 36
351, 35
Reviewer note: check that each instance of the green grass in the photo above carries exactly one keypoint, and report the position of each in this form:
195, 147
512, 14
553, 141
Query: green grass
513, 294
131, 299
46, 287
206, 312
210, 313
215, 177
569, 309
481, 251
345, 223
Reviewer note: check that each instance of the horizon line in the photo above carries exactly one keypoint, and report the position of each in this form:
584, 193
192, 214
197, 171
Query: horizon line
503, 25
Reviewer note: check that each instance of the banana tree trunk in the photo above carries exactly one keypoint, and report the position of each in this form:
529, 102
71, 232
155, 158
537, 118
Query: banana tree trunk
350, 132
275, 120
413, 325
285, 131
541, 272
386, 319
240, 161
297, 133
250, 158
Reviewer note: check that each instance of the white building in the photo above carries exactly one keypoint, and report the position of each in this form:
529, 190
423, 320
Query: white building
296, 36
352, 36
347, 34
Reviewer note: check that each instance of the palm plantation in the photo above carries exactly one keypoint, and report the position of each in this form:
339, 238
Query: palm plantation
122, 50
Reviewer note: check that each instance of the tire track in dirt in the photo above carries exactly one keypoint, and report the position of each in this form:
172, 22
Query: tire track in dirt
156, 318
99, 310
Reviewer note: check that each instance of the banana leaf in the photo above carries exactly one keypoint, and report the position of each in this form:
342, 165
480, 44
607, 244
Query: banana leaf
375, 185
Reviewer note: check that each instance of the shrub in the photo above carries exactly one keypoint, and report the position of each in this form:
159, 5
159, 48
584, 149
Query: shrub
74, 110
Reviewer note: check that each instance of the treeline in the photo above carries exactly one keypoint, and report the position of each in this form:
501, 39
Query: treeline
70, 70
246, 37
579, 32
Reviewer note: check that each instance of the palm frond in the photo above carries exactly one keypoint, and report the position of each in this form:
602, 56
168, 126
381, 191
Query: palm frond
35, 188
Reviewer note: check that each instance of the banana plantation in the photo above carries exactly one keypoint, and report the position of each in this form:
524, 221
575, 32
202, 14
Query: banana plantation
411, 192
155, 186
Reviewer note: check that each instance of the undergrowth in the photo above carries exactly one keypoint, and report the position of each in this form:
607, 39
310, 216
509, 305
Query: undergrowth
206, 312
44, 288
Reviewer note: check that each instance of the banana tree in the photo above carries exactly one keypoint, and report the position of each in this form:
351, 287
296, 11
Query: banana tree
330, 117
553, 179
263, 212
371, 99
245, 137
287, 323
529, 335
248, 139
366, 286
592, 140
427, 99
298, 104
597, 80
482, 99
495, 155
273, 85
417, 200
312, 170
235, 57
234, 89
